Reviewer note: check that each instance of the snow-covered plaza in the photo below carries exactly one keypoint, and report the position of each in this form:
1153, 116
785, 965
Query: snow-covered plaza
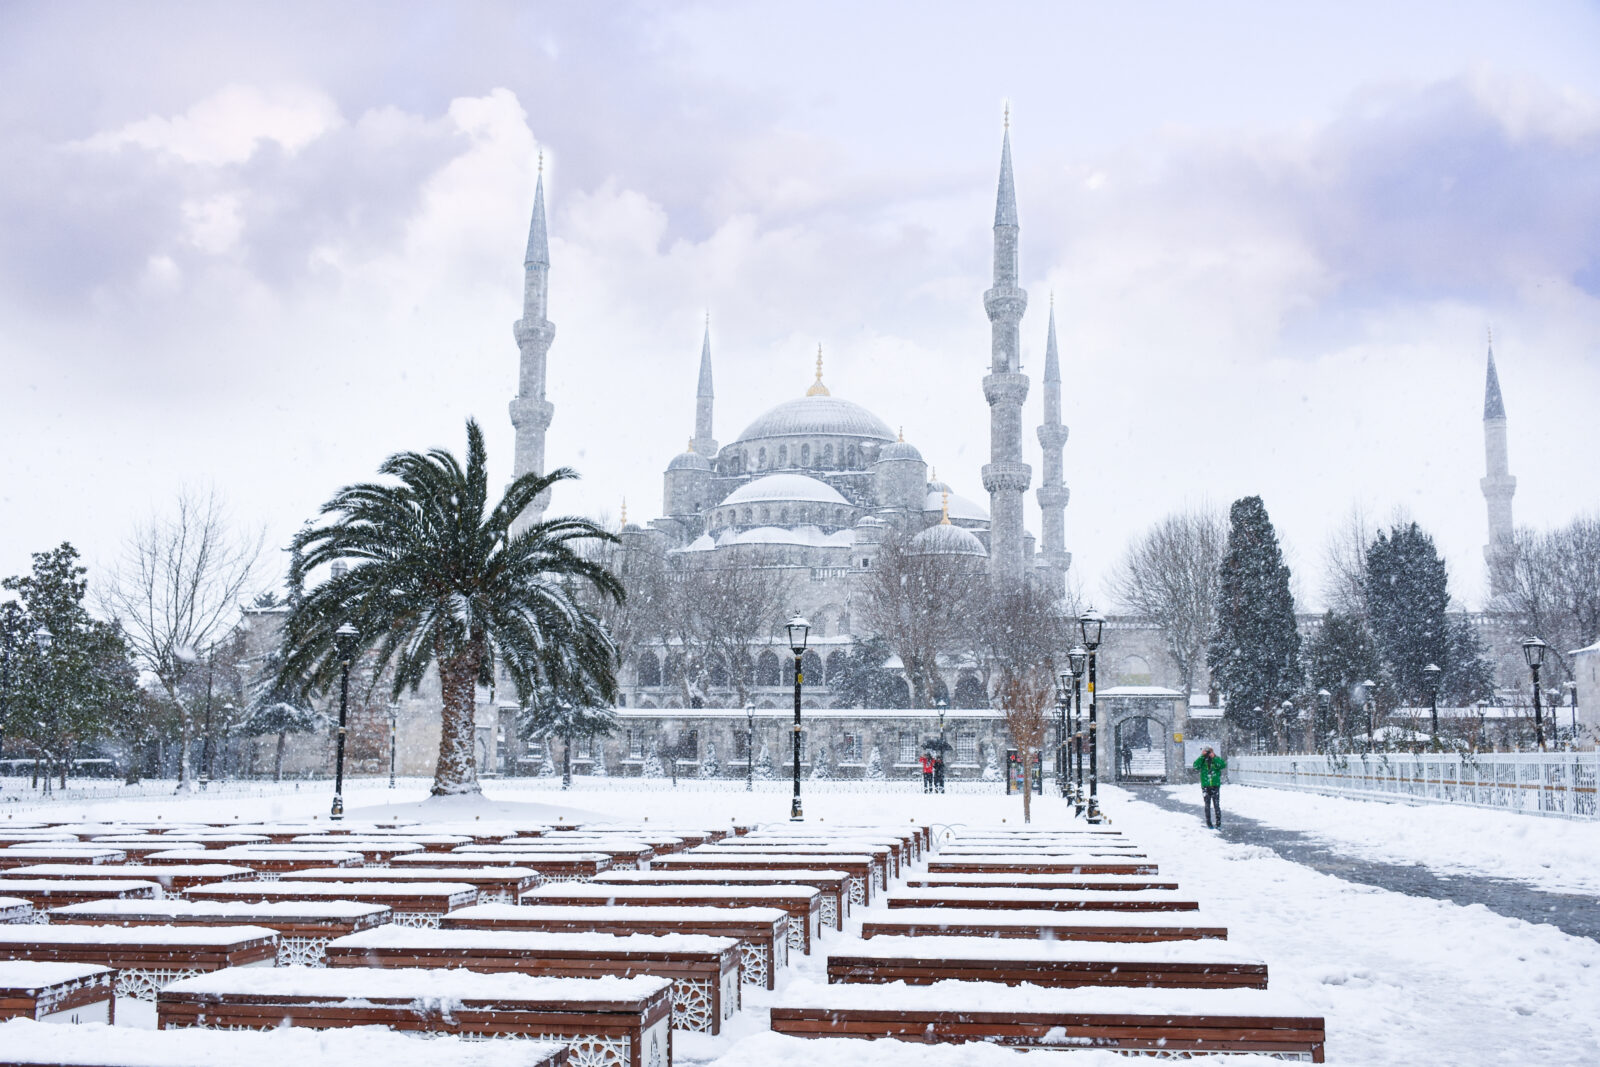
1393, 977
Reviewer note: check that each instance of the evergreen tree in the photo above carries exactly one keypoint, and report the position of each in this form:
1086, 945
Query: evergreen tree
710, 767
991, 766
1339, 658
652, 767
1255, 650
566, 720
1407, 588
819, 763
763, 769
874, 769
1468, 674
276, 708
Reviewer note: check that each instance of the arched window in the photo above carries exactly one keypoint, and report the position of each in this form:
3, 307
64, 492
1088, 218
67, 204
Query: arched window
649, 669
762, 458
969, 692
766, 514
850, 457
827, 455
805, 455
811, 664
838, 516
747, 668
783, 516
836, 667
783, 455
747, 516
672, 673
819, 625
767, 669
719, 672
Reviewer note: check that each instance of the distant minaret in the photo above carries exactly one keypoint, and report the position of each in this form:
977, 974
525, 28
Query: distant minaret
1498, 485
1053, 491
704, 443
530, 412
1005, 476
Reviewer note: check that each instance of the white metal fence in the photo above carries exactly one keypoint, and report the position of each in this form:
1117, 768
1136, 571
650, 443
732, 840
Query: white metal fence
1559, 784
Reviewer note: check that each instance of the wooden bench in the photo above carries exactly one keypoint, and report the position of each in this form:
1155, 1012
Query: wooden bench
24, 1043
1041, 865
15, 910
424, 842
1171, 1022
762, 933
145, 843
803, 903
267, 865
550, 866
1044, 925
31, 855
818, 855
604, 1022
860, 868
42, 894
660, 841
495, 885
1105, 883
634, 854
304, 927
833, 885
704, 971
899, 855
145, 957
1042, 899
56, 992
410, 903
171, 877
918, 960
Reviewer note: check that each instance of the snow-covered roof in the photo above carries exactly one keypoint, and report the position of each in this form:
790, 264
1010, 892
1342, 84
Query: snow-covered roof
821, 414
943, 539
809, 536
1140, 691
785, 488
961, 508
690, 460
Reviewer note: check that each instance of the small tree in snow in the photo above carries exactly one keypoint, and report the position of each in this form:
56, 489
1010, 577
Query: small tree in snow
875, 765
763, 769
547, 768
598, 769
652, 763
991, 766
819, 763
709, 767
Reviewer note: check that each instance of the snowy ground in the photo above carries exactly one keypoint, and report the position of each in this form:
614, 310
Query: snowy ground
1399, 979
1561, 855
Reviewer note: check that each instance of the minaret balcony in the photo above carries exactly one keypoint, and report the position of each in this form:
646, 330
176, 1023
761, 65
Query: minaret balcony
1005, 303
1006, 388
541, 333
530, 414
1006, 476
1052, 437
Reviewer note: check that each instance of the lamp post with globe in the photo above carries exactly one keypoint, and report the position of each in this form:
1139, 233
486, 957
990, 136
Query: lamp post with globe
1090, 627
798, 627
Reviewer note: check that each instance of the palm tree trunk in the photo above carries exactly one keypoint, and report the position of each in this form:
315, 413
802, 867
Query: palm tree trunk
457, 771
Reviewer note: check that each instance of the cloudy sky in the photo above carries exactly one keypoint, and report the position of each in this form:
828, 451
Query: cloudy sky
263, 246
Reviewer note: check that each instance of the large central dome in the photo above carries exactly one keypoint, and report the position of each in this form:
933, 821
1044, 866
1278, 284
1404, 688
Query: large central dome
817, 415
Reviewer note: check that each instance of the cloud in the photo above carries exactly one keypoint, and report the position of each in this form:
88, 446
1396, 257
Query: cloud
229, 126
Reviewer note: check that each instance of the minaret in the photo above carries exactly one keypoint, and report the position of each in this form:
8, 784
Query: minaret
530, 412
1053, 491
1005, 476
704, 443
1498, 485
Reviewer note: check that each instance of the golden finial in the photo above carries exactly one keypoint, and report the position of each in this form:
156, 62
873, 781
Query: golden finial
817, 388
624, 511
944, 520
902, 435
690, 446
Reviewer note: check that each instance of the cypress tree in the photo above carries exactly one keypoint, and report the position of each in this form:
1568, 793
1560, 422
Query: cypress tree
1255, 651
1408, 592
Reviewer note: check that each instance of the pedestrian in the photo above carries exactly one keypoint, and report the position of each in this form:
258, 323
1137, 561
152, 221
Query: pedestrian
1127, 759
1210, 766
938, 773
927, 773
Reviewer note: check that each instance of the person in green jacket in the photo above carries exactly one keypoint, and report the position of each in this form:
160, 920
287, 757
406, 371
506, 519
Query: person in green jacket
1210, 766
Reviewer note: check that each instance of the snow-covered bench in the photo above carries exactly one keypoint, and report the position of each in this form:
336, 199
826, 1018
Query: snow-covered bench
1171, 964
660, 842
843, 854
42, 894
1172, 1022
691, 836
24, 1043
267, 863
861, 868
410, 903
704, 971
622, 853
144, 844
171, 877
1113, 883
81, 854
604, 1022
762, 933
833, 885
145, 957
551, 866
500, 885
1023, 898
1044, 925
424, 842
803, 903
304, 927
901, 847
1015, 864
55, 992
961, 850
15, 910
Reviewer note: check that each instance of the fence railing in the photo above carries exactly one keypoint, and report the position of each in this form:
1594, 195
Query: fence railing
1558, 784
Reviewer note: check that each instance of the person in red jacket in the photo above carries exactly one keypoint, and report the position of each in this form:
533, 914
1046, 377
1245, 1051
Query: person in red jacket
927, 773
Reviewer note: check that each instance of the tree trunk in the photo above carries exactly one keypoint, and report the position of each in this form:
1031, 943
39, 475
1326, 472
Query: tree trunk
277, 758
457, 770
566, 763
1027, 785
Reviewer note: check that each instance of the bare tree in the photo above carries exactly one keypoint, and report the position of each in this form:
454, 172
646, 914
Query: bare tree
1171, 576
924, 605
177, 593
717, 612
1027, 697
1553, 588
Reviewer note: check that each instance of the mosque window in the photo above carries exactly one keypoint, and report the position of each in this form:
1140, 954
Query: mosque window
747, 516
783, 455
850, 457
805, 455
766, 514
827, 455
767, 669
838, 667
838, 516
783, 517
649, 670
762, 458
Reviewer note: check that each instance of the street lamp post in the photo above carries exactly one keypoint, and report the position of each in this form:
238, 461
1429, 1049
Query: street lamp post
42, 640
394, 718
1533, 651
942, 767
1079, 659
1286, 709
345, 642
749, 748
798, 628
1430, 676
1324, 712
1369, 692
1063, 699
1572, 689
1090, 627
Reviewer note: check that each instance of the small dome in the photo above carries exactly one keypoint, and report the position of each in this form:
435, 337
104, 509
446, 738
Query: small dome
689, 461
901, 450
947, 540
784, 488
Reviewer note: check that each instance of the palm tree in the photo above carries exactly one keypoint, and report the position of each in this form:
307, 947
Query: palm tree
437, 578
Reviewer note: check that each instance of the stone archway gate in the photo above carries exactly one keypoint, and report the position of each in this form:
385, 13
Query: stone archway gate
1120, 711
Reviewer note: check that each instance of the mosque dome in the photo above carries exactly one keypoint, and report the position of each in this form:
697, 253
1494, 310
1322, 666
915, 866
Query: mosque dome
784, 488
946, 540
817, 415
901, 449
689, 461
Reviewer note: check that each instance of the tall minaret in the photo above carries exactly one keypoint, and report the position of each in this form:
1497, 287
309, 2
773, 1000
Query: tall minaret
1005, 476
1498, 485
1053, 491
704, 443
530, 412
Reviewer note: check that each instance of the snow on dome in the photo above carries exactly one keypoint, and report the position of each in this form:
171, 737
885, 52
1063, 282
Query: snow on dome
703, 543
783, 488
947, 540
690, 460
961, 509
809, 536
810, 416
899, 450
